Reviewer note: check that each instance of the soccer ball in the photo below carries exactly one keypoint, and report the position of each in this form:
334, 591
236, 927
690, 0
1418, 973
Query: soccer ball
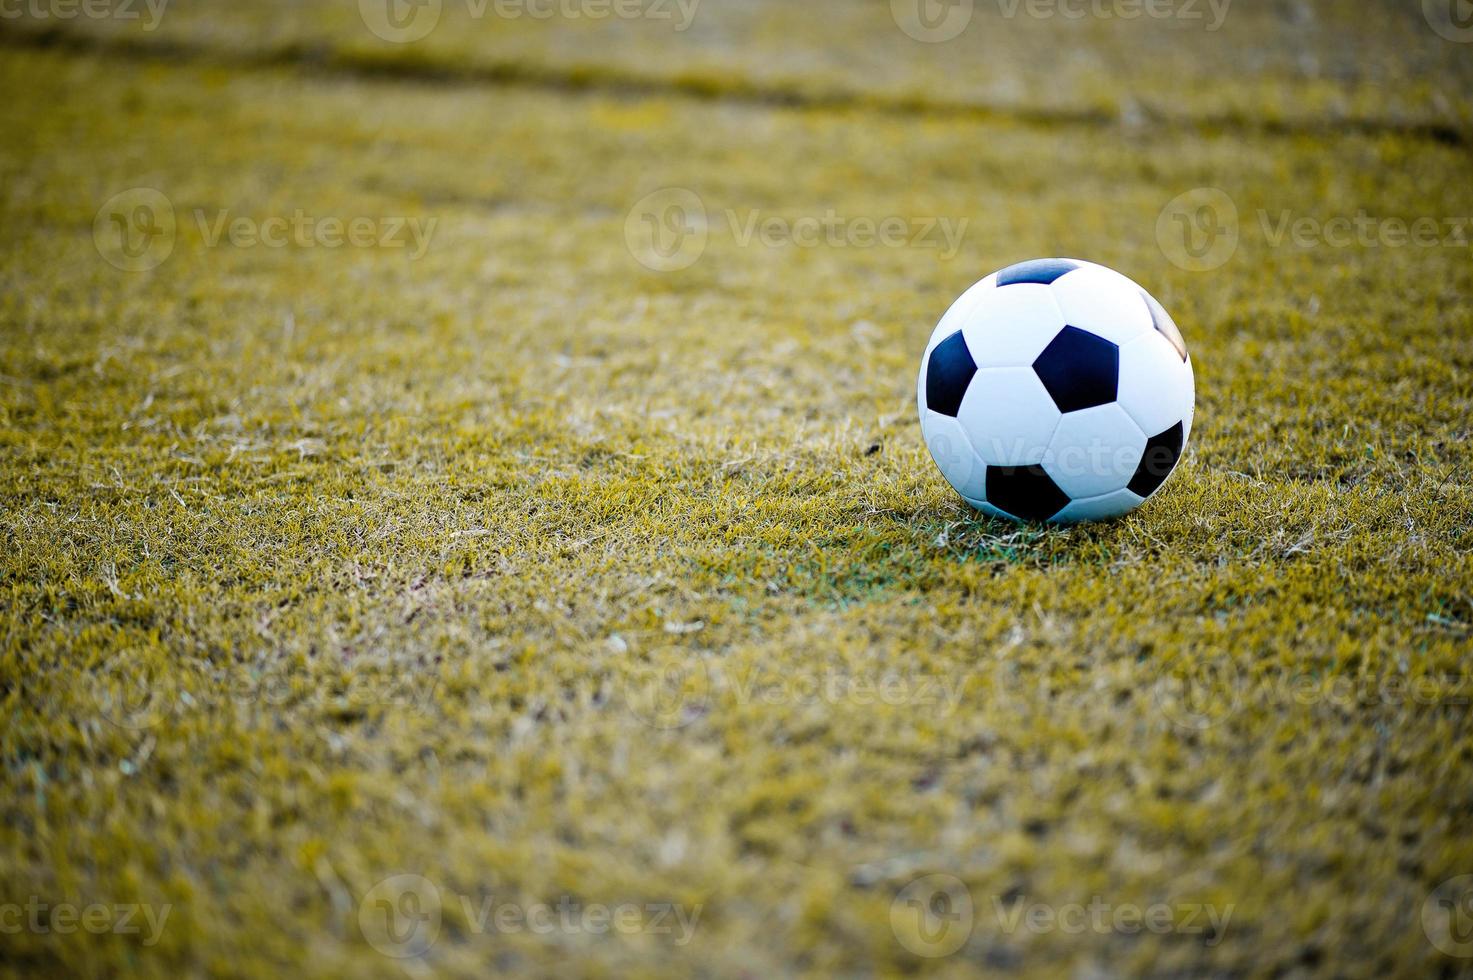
1056, 390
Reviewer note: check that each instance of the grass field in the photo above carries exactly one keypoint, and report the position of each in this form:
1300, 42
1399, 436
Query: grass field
390, 536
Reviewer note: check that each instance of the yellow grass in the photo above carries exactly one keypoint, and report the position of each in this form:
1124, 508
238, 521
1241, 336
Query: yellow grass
501, 560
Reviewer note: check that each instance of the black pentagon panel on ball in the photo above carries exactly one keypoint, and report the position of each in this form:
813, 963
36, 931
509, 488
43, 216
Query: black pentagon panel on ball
1160, 458
1041, 271
1026, 492
947, 375
1079, 369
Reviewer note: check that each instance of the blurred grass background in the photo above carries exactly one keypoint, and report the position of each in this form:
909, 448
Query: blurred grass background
516, 565
1293, 63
